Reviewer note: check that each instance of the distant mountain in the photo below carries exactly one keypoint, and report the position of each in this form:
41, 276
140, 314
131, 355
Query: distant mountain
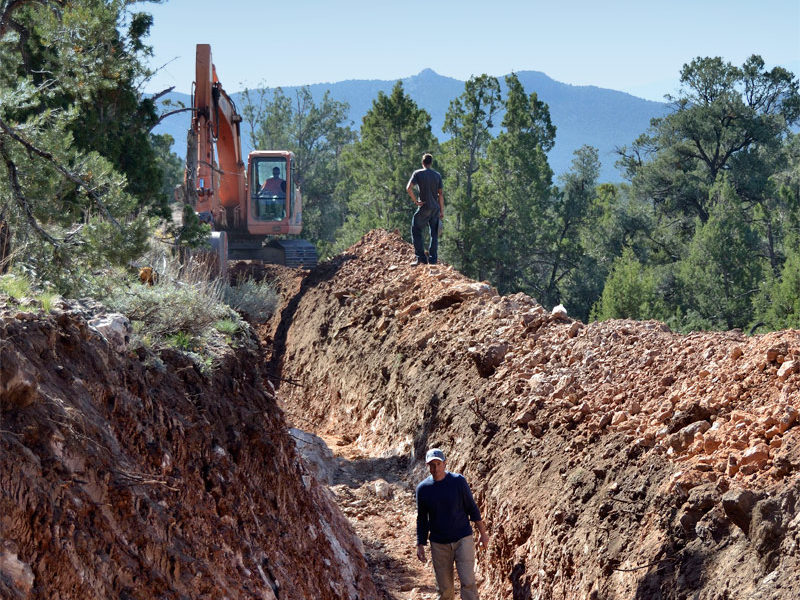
605, 119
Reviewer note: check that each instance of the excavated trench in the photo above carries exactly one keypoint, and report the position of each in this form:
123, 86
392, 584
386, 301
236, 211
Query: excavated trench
611, 460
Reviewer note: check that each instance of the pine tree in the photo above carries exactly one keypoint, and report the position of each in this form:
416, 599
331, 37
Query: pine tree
66, 203
469, 120
395, 133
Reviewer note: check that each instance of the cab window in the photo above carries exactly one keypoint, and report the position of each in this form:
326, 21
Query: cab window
268, 189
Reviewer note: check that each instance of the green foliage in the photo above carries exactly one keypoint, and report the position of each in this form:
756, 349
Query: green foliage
255, 300
182, 341
778, 303
20, 290
15, 286
725, 118
562, 253
190, 233
228, 327
186, 297
169, 307
47, 299
469, 121
629, 292
720, 274
169, 165
395, 133
512, 194
78, 170
717, 179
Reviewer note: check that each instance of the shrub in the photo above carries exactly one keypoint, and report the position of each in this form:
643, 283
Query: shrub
629, 290
16, 286
255, 300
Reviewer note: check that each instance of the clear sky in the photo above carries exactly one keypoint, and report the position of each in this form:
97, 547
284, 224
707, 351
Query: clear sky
637, 46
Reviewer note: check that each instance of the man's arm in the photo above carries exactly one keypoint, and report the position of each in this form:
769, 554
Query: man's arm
423, 528
410, 190
483, 537
441, 204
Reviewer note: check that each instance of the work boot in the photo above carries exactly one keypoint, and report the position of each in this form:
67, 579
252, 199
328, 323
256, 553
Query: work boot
418, 261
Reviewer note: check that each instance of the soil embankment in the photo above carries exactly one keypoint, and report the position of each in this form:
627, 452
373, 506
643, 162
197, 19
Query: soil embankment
129, 475
611, 460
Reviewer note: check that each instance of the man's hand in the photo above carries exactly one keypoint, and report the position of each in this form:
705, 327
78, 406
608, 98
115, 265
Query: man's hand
421, 553
419, 202
483, 537
483, 540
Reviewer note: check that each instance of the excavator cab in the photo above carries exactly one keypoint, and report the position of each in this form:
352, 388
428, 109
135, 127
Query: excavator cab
269, 188
273, 198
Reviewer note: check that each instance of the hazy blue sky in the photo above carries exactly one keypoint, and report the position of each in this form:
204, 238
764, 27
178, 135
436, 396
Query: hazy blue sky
634, 46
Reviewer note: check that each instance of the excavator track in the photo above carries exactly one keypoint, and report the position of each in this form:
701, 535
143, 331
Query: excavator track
293, 253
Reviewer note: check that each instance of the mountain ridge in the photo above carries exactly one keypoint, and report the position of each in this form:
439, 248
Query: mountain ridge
583, 114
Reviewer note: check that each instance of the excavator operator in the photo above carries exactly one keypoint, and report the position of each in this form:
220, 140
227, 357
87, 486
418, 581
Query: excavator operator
275, 186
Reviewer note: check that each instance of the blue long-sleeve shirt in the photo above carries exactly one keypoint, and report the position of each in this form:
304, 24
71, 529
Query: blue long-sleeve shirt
445, 509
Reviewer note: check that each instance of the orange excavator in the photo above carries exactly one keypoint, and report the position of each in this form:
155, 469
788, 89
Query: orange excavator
248, 209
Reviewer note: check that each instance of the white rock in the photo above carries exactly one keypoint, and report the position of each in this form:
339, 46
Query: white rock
316, 455
787, 368
383, 489
18, 572
115, 329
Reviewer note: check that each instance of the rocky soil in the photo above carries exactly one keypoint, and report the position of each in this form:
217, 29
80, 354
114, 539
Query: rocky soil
130, 475
611, 460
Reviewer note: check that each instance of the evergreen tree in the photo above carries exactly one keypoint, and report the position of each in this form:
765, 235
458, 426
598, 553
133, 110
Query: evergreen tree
721, 272
777, 305
469, 121
725, 119
66, 204
512, 195
395, 133
616, 220
565, 213
629, 291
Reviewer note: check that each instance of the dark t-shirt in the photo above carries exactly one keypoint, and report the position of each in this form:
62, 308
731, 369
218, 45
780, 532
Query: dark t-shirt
429, 183
445, 509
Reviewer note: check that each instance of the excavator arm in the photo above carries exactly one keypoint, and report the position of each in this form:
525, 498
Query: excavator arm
221, 181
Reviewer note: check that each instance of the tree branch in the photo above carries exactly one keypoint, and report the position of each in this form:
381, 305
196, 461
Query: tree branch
16, 190
69, 175
158, 95
169, 114
12, 5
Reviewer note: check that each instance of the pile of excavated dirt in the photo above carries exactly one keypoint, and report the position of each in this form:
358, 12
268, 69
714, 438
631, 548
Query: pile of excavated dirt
130, 475
610, 460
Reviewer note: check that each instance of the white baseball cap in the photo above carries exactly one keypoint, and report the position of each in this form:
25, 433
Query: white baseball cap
434, 454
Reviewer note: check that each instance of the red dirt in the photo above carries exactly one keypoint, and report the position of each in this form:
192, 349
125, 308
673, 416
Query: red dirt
135, 476
611, 460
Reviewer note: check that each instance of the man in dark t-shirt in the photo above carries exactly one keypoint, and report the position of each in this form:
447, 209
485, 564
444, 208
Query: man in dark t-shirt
430, 209
445, 508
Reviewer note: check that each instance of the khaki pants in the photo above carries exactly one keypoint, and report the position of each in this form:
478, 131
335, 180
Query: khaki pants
462, 553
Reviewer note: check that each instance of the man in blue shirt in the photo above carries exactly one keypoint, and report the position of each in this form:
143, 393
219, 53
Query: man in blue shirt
430, 209
445, 508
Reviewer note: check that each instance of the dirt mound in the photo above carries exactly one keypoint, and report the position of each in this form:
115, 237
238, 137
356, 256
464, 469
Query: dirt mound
129, 475
612, 460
